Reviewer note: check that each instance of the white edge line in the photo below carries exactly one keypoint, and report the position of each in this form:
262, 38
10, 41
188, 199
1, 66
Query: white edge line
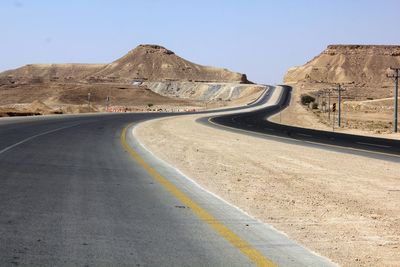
34, 136
370, 144
220, 198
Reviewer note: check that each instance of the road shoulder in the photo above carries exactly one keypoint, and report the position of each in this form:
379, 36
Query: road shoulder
259, 241
349, 214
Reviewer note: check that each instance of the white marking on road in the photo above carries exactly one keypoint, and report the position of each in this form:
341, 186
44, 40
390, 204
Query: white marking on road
34, 136
369, 144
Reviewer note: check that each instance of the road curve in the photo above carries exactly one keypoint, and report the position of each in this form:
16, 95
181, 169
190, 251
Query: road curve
255, 121
81, 191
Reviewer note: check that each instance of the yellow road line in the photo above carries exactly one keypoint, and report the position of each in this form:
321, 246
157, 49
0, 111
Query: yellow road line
257, 257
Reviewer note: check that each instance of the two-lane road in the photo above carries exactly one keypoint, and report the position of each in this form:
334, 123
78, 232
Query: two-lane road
72, 196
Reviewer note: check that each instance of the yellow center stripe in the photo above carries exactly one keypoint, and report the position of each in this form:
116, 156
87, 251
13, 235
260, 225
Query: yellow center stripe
257, 257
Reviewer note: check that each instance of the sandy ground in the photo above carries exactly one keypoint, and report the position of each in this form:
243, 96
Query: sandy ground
53, 97
350, 213
56, 98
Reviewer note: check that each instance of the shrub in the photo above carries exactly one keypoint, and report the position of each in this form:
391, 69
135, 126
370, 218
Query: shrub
306, 99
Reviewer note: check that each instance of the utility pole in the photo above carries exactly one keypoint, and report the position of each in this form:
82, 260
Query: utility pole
108, 98
320, 99
88, 98
339, 89
396, 96
339, 99
107, 103
329, 103
324, 100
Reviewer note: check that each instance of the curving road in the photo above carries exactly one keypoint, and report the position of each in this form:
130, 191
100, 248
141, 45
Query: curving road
255, 121
81, 191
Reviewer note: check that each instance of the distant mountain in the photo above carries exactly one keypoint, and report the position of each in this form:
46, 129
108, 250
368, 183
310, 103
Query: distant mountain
362, 69
145, 62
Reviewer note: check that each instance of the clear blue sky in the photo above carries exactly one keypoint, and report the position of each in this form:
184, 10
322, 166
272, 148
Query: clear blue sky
260, 38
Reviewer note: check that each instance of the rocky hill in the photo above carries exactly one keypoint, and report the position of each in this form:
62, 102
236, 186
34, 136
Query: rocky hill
362, 69
156, 63
145, 62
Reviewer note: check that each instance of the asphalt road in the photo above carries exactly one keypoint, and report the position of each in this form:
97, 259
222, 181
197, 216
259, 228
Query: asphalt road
71, 194
256, 122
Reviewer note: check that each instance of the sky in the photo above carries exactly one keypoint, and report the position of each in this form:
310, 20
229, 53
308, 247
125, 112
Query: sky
260, 38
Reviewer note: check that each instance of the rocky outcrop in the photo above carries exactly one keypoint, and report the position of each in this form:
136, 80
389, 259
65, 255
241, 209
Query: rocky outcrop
204, 91
362, 69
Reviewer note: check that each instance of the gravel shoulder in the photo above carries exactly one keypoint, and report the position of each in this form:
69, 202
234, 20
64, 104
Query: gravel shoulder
345, 207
